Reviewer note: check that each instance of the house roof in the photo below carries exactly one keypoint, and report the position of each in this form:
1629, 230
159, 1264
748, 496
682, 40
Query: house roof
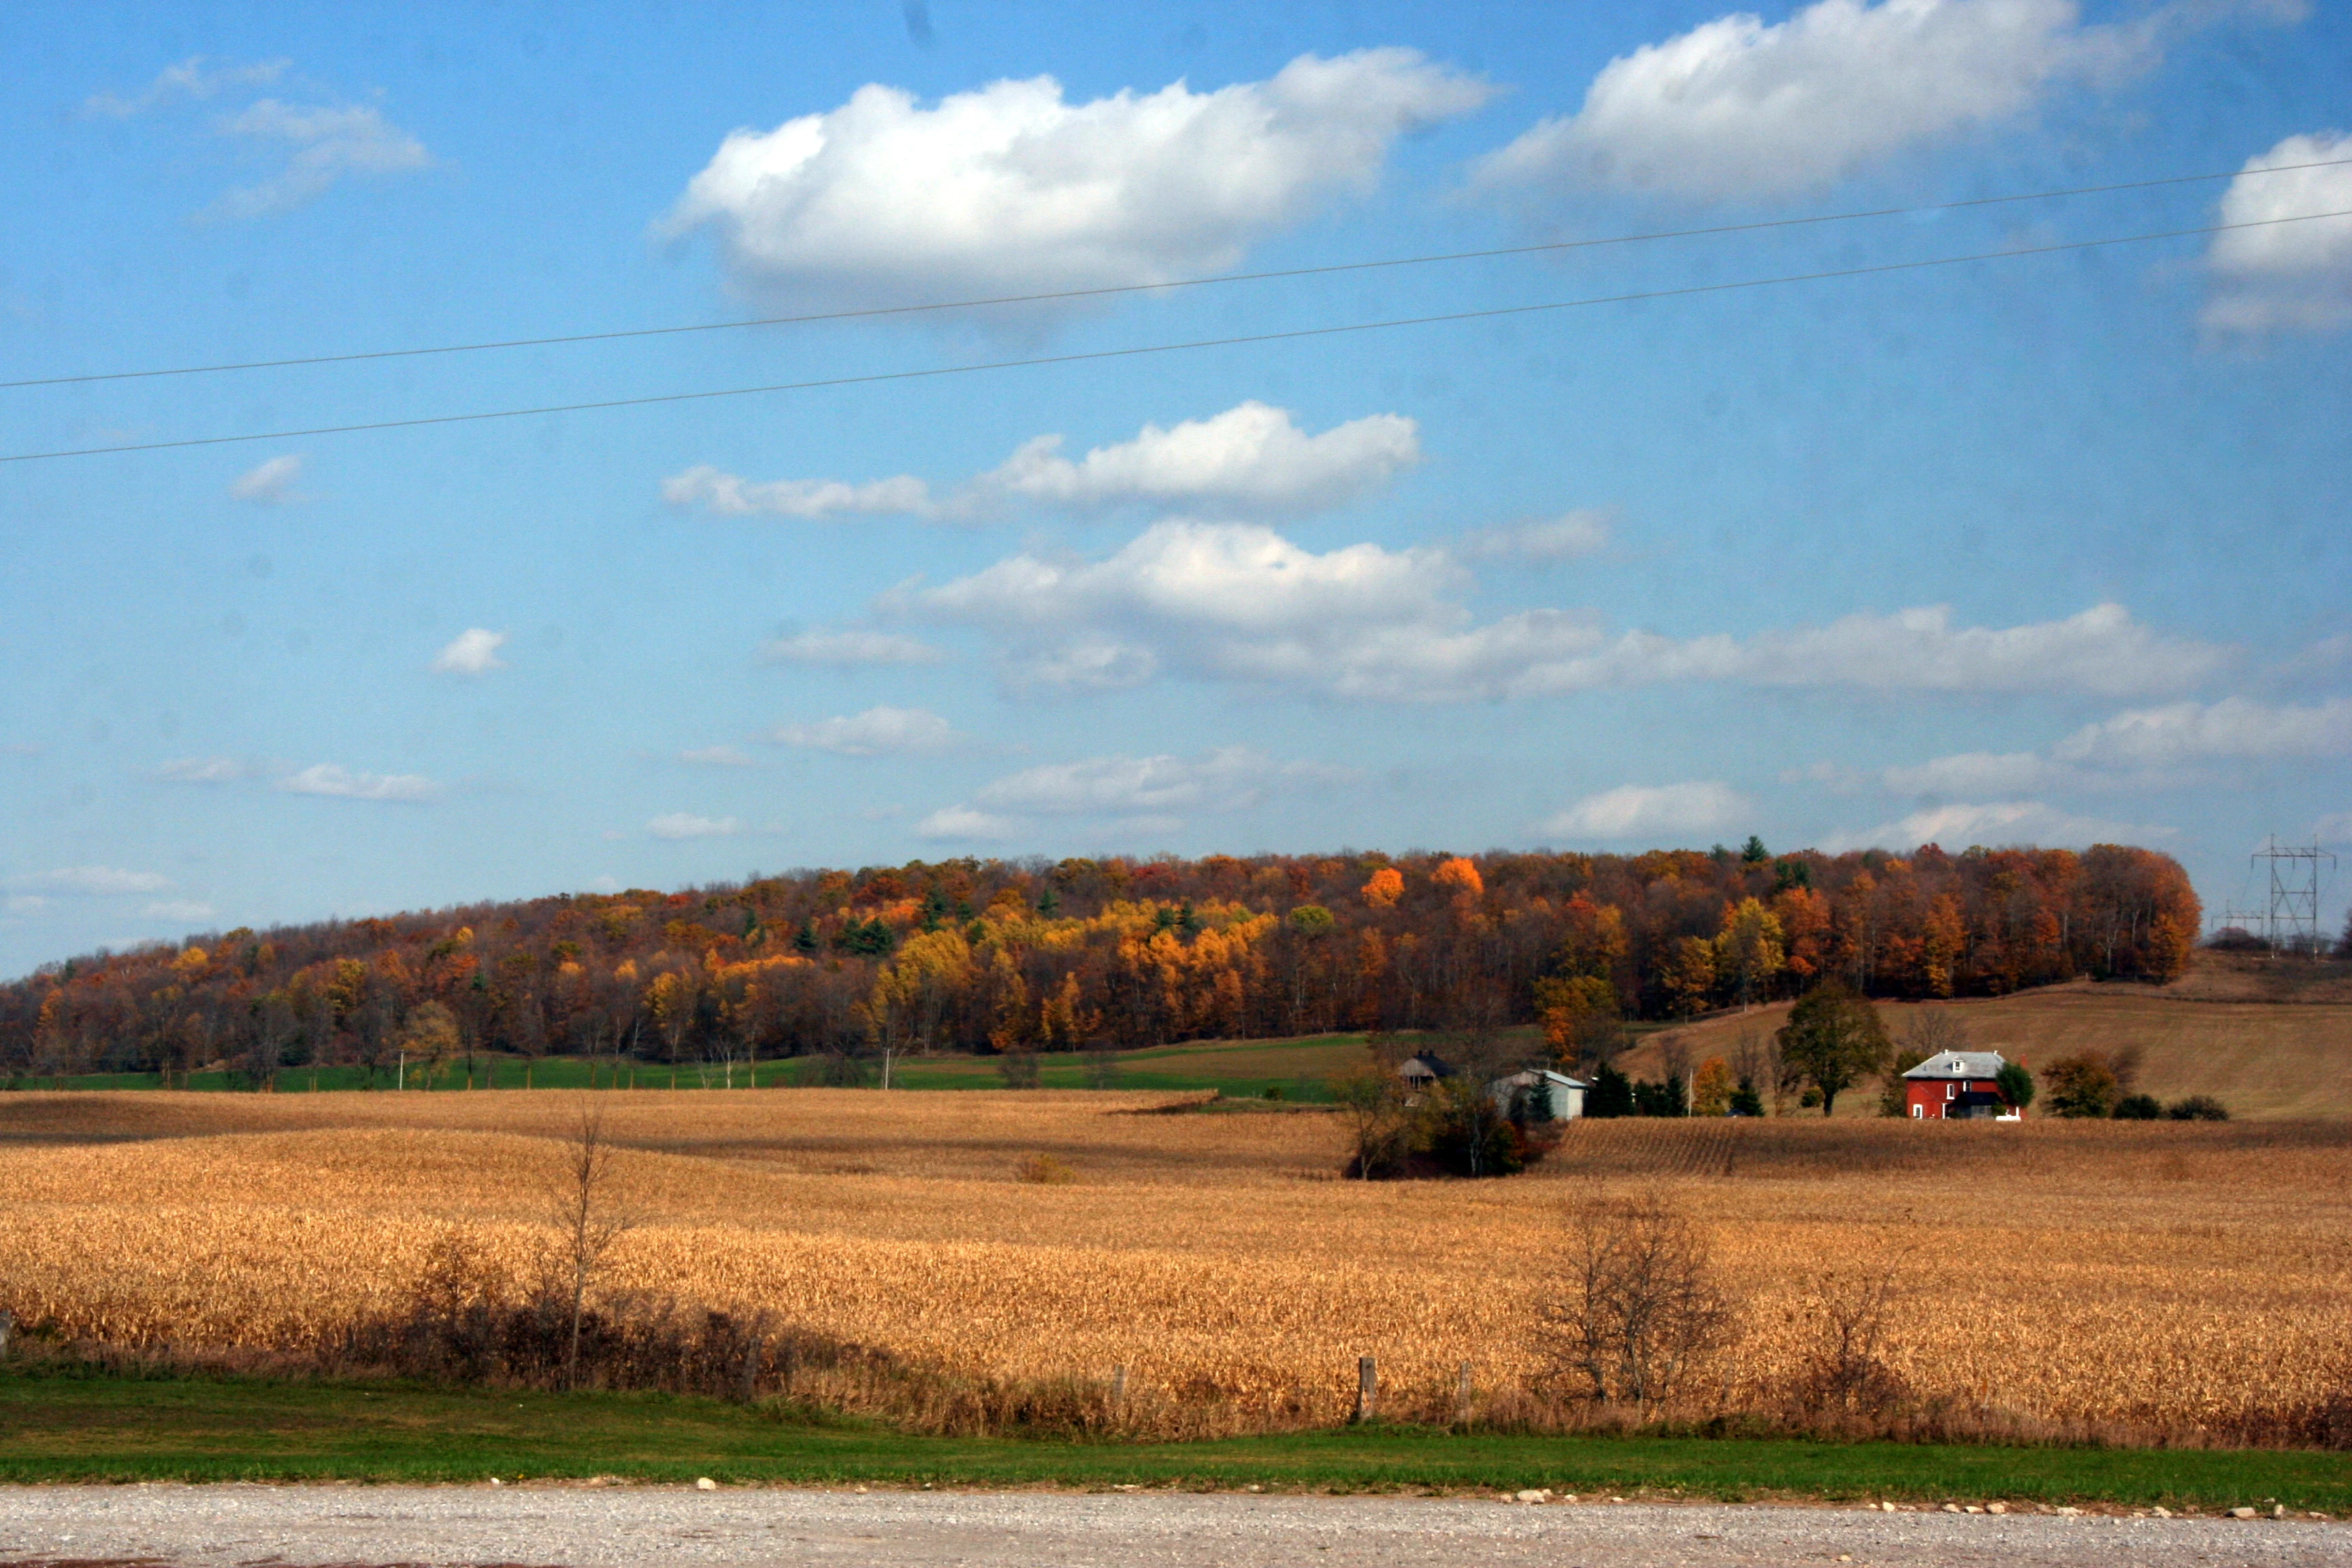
1961, 1064
1424, 1066
1529, 1077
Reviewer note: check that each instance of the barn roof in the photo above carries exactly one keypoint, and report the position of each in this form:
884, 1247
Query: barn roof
1534, 1076
1961, 1064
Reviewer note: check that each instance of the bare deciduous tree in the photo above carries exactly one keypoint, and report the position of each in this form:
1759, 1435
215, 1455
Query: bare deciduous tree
1639, 1305
1373, 1099
588, 1220
1843, 1370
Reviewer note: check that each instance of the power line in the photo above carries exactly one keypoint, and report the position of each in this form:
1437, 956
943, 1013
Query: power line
1068, 294
1073, 358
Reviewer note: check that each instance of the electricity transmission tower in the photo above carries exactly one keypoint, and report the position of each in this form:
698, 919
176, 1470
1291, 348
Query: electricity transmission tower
2292, 924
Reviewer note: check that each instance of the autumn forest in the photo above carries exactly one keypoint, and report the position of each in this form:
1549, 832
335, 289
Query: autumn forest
1012, 956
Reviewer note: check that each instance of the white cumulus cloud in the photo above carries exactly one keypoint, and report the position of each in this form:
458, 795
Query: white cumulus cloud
1230, 778
1976, 774
2183, 732
1994, 823
730, 494
847, 647
960, 823
1251, 458
1131, 795
2285, 276
325, 143
2139, 748
1634, 811
878, 731
204, 771
1011, 189
1740, 107
1581, 532
1239, 602
197, 77
333, 780
474, 651
686, 825
270, 483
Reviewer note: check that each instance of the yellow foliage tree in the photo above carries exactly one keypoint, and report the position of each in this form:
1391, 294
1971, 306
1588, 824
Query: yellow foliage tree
1387, 887
1711, 1088
1688, 975
912, 992
1749, 952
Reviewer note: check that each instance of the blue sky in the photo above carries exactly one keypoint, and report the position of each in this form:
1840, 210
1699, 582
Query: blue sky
2045, 549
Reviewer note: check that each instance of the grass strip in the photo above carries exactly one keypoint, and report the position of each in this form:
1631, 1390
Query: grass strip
78, 1424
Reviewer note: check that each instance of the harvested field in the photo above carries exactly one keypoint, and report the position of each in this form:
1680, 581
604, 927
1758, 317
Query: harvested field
2265, 1046
2188, 1279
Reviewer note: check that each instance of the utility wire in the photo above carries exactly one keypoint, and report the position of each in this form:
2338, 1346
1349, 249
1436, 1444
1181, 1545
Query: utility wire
1289, 335
1152, 287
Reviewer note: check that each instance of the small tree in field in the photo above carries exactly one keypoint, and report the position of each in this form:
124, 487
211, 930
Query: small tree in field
1638, 1306
1373, 1099
2015, 1083
1835, 1039
587, 1222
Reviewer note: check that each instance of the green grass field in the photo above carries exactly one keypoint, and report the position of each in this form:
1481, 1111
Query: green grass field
73, 1424
1300, 1069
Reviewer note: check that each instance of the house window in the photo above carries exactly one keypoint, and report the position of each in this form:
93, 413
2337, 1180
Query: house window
1918, 1110
1949, 1089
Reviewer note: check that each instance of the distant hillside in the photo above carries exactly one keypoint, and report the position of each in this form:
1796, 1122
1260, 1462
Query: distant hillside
1001, 955
2265, 1036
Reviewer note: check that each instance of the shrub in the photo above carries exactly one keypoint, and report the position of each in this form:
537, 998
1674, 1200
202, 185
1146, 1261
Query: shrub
2197, 1108
1638, 1307
2015, 1083
1044, 1171
2080, 1086
2138, 1108
1845, 1368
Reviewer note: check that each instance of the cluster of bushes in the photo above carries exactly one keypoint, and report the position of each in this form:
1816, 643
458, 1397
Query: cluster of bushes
2099, 1084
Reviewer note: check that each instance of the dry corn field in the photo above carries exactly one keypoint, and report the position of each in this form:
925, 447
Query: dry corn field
2169, 1277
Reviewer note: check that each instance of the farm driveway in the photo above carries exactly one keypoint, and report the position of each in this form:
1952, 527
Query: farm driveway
579, 1527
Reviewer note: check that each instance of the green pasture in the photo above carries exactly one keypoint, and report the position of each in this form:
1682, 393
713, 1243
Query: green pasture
62, 1423
1296, 1069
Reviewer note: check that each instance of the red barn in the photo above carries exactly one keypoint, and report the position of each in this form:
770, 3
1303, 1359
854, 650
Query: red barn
1956, 1085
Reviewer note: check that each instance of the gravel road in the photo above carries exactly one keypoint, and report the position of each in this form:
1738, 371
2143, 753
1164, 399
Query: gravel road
588, 1527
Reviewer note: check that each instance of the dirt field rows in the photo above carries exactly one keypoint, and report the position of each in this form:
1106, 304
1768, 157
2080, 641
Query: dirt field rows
2167, 1274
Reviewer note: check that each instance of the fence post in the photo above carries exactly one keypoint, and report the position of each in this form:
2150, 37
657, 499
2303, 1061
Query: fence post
1462, 1397
1119, 1386
1366, 1388
752, 1352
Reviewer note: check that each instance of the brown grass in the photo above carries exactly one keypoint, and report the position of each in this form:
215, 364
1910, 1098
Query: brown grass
2182, 1279
2257, 1054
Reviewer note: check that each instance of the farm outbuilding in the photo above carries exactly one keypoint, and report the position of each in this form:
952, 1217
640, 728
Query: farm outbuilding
1549, 1095
1420, 1071
1954, 1086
